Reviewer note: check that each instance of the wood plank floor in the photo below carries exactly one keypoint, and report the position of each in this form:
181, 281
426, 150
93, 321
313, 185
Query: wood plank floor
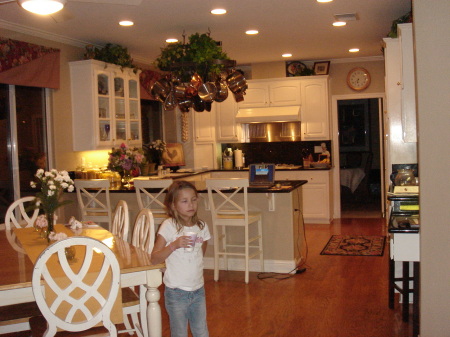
337, 296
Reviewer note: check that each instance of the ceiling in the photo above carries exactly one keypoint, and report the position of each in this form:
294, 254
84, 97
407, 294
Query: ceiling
300, 27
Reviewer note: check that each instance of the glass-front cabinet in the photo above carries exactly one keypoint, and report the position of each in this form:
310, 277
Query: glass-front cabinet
105, 105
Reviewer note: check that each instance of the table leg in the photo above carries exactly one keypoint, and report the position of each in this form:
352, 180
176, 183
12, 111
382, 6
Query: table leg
391, 283
416, 294
152, 295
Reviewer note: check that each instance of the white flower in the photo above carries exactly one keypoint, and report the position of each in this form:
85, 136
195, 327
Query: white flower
57, 236
33, 184
39, 173
41, 221
71, 188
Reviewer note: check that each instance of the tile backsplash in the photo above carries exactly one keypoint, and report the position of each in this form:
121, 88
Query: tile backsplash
277, 152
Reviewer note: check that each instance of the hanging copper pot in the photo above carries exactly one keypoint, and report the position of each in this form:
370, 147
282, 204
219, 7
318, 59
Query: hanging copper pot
185, 105
161, 89
236, 82
171, 102
207, 91
238, 97
180, 91
222, 92
190, 91
196, 81
208, 106
198, 104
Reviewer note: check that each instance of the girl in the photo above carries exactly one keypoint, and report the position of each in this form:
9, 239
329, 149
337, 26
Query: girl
184, 292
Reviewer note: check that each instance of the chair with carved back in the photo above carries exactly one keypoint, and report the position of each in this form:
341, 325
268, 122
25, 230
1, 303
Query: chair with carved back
121, 220
72, 306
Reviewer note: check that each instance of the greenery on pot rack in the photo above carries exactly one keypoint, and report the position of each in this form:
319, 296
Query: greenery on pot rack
202, 55
403, 19
111, 53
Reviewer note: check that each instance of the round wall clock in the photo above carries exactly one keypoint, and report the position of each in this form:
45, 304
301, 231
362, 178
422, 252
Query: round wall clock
358, 79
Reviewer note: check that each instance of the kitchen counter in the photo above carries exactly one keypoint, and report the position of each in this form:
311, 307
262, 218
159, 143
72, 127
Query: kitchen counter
281, 208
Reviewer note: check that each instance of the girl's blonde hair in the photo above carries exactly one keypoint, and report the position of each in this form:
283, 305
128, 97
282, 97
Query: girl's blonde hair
172, 196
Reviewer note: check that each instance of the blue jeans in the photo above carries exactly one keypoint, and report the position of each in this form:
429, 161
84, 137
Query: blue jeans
186, 306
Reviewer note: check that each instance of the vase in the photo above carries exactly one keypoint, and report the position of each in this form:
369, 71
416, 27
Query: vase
151, 167
145, 168
51, 224
126, 179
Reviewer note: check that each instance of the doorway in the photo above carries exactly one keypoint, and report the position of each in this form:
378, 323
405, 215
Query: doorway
358, 155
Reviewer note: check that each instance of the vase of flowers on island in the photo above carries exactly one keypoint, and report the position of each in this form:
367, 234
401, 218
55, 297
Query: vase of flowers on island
52, 183
126, 161
153, 152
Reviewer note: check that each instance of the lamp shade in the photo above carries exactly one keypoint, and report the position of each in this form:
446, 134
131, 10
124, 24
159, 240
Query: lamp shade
42, 7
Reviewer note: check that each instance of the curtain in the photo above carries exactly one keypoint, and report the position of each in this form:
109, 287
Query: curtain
28, 64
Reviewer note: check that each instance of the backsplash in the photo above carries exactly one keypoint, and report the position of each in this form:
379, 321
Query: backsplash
278, 152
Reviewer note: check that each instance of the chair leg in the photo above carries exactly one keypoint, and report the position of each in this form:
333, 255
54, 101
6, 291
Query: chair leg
216, 253
247, 233
261, 255
224, 245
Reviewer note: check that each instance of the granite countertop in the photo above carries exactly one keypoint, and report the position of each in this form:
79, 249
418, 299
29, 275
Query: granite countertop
281, 186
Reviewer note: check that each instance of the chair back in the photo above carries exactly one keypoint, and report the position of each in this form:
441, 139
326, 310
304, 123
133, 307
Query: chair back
226, 204
144, 231
153, 200
93, 200
121, 220
68, 318
17, 215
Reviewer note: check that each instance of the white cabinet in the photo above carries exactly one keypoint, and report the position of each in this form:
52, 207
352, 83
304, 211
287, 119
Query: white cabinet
315, 123
106, 109
274, 92
316, 193
204, 125
227, 130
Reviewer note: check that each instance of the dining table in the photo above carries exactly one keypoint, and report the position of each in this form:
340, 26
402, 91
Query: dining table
135, 267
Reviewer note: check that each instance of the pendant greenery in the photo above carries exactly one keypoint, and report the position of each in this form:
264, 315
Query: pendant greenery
201, 55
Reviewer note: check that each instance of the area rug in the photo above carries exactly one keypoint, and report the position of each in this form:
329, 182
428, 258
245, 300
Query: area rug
355, 245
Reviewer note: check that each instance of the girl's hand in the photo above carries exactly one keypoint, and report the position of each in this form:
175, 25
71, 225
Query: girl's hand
182, 242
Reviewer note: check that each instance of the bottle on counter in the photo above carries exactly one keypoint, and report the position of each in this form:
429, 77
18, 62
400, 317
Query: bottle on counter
238, 159
227, 159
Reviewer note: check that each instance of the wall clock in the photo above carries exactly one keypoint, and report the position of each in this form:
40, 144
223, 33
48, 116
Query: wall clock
358, 79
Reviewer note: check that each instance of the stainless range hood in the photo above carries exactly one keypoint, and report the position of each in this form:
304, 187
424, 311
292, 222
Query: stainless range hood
269, 114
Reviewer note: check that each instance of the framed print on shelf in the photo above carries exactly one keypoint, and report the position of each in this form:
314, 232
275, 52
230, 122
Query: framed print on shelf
173, 155
322, 68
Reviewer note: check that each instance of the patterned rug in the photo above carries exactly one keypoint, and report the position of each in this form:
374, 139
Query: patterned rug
355, 245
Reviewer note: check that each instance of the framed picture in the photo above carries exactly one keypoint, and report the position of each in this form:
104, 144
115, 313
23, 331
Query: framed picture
322, 68
173, 155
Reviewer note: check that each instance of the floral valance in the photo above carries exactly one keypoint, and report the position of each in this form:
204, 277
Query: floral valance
28, 64
147, 78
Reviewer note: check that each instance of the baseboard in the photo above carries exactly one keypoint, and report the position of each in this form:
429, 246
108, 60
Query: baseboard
275, 266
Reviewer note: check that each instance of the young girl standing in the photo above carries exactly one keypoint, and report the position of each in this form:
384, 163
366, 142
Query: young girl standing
184, 292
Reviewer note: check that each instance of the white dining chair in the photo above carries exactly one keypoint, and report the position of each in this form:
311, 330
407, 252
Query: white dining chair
154, 199
93, 200
52, 265
121, 220
144, 231
230, 209
19, 216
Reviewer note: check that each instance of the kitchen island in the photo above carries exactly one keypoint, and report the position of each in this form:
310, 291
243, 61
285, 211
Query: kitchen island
281, 208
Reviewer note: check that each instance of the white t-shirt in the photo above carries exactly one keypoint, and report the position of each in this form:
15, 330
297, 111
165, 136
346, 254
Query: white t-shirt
184, 270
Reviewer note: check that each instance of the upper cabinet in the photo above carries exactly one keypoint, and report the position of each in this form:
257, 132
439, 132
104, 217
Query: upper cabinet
227, 130
204, 127
265, 93
315, 123
105, 105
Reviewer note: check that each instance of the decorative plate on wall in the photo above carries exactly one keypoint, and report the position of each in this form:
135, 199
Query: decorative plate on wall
294, 68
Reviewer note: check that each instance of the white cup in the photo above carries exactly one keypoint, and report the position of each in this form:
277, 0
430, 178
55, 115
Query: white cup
193, 236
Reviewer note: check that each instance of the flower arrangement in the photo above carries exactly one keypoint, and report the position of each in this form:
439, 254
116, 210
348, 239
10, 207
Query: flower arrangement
125, 159
154, 150
52, 184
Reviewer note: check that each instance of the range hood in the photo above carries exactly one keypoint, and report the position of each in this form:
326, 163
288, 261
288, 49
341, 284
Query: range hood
269, 114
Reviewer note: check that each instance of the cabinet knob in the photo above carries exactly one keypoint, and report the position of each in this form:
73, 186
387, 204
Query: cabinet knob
399, 83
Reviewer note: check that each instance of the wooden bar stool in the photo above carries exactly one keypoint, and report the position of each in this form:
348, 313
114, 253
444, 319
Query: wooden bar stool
229, 210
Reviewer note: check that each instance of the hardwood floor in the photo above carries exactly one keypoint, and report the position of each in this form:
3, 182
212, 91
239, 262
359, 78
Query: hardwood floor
337, 296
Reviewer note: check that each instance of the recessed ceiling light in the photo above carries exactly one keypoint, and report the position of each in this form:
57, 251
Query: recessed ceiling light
218, 11
287, 55
251, 32
324, 0
126, 23
42, 7
171, 40
354, 50
339, 23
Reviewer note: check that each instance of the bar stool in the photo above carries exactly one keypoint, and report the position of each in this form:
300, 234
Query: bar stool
94, 205
154, 201
230, 209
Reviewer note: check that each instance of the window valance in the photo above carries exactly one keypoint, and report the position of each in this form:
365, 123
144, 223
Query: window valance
28, 64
